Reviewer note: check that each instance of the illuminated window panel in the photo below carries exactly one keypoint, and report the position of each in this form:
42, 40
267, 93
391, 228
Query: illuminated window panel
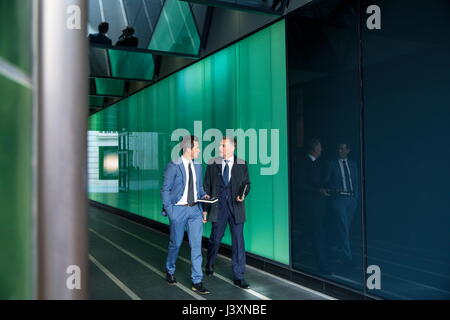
108, 163
131, 64
109, 87
176, 31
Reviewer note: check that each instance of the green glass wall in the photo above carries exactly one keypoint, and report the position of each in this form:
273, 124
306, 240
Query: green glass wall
242, 86
15, 151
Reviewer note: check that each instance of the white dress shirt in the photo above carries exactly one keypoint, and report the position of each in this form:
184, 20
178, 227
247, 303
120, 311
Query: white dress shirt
341, 165
183, 199
230, 166
312, 157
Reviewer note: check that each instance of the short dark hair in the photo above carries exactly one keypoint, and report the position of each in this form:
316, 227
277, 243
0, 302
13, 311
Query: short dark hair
343, 142
231, 139
129, 30
311, 144
103, 27
188, 142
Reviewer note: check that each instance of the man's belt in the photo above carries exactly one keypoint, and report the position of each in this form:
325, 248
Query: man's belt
189, 205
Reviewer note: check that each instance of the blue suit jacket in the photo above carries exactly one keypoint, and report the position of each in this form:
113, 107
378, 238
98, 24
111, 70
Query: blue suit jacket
174, 183
334, 176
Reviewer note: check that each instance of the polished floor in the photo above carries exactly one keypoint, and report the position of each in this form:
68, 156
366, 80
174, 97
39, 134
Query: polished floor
127, 262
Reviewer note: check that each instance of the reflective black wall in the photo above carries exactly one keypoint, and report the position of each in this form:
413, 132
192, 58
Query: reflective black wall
369, 123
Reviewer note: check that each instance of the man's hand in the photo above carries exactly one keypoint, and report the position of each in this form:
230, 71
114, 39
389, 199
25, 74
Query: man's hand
239, 199
204, 216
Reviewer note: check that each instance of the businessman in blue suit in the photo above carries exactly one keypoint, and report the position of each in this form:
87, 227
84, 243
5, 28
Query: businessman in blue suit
181, 189
342, 180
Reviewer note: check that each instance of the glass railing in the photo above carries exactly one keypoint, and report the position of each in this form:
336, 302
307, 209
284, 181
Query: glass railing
108, 87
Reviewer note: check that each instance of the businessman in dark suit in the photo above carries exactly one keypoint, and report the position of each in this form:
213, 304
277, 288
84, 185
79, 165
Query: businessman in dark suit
342, 180
225, 177
182, 187
313, 196
127, 39
101, 37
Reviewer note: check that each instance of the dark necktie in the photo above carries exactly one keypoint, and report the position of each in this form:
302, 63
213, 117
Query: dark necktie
190, 195
226, 173
347, 176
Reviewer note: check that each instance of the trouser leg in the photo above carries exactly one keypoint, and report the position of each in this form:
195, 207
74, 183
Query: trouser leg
217, 232
195, 231
177, 227
238, 249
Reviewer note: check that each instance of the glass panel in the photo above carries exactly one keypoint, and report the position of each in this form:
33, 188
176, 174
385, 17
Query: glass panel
103, 135
15, 189
407, 99
143, 15
242, 86
176, 31
115, 15
95, 15
109, 87
98, 62
199, 11
265, 6
131, 64
15, 33
15, 151
95, 101
324, 114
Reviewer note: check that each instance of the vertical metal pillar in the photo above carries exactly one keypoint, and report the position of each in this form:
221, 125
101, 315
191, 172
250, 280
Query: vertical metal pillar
62, 111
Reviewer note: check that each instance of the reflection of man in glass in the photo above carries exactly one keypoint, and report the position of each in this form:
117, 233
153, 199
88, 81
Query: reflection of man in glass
343, 181
313, 197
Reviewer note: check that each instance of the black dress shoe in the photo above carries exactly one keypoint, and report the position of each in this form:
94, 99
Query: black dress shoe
199, 288
242, 284
209, 271
170, 278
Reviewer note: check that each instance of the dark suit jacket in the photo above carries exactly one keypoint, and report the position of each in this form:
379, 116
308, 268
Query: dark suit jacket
334, 176
213, 182
311, 180
99, 38
311, 177
128, 42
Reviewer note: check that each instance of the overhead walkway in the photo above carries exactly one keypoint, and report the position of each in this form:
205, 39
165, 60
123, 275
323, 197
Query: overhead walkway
127, 262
